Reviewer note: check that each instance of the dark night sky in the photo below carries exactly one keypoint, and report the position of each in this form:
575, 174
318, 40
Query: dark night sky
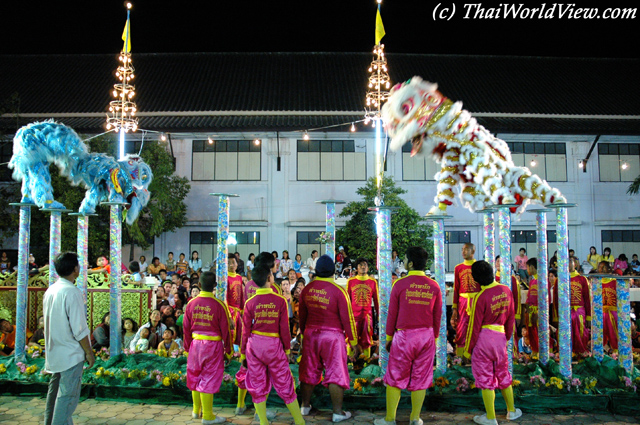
95, 26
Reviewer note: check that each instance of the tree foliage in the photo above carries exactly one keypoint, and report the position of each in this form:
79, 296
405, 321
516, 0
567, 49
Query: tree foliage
165, 212
634, 187
358, 235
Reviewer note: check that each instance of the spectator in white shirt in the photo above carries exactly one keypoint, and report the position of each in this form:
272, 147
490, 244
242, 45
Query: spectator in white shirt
311, 262
67, 340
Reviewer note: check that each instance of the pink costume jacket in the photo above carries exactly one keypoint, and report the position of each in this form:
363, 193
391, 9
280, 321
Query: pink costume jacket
266, 314
250, 290
235, 302
415, 302
515, 291
492, 309
325, 305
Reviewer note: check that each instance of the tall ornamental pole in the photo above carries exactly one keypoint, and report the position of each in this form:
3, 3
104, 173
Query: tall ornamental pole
83, 253
54, 240
438, 260
543, 284
489, 235
504, 237
383, 230
24, 234
330, 245
223, 236
597, 316
624, 324
564, 286
115, 288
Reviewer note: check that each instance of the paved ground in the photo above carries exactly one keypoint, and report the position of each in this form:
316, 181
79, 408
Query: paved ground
29, 411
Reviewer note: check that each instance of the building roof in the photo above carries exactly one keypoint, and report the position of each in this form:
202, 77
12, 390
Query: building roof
289, 91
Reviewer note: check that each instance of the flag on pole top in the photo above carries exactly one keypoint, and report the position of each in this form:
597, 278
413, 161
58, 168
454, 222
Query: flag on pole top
126, 37
379, 27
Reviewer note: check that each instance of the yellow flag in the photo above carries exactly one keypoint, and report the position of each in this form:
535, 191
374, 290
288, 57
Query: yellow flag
379, 27
126, 37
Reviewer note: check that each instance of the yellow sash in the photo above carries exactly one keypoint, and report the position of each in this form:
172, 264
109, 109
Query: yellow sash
207, 337
497, 328
271, 334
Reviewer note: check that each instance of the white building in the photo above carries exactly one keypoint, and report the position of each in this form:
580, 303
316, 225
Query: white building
234, 99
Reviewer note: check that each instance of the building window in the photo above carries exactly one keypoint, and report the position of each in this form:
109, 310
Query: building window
306, 242
454, 241
547, 160
247, 243
6, 152
332, 160
625, 242
527, 239
619, 162
419, 167
226, 160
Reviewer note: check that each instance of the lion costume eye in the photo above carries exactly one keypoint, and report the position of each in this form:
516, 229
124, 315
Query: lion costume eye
407, 106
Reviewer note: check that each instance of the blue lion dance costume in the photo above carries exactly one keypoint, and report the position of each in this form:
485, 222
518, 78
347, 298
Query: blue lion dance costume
38, 145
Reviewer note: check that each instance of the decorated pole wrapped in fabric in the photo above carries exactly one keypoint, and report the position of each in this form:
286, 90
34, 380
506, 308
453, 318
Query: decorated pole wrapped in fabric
24, 235
83, 252
223, 236
438, 261
543, 284
489, 235
597, 323
54, 240
330, 242
115, 287
504, 238
383, 230
624, 324
564, 293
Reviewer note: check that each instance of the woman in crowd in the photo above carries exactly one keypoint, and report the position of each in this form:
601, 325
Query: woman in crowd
297, 265
593, 258
606, 256
277, 264
195, 264
250, 264
156, 329
620, 264
286, 263
143, 264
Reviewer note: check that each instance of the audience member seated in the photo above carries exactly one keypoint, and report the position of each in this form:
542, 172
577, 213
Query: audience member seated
8, 338
168, 345
129, 329
155, 327
37, 339
155, 267
102, 266
182, 266
100, 335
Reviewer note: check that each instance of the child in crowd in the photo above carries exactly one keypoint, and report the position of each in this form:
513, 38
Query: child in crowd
297, 265
523, 343
171, 264
362, 290
143, 343
182, 265
235, 298
177, 336
263, 353
521, 262
37, 339
129, 329
168, 345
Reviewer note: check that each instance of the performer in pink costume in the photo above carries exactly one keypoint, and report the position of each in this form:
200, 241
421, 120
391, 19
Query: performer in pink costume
580, 311
265, 347
207, 339
362, 290
325, 319
515, 291
609, 307
531, 319
413, 324
491, 326
235, 299
464, 289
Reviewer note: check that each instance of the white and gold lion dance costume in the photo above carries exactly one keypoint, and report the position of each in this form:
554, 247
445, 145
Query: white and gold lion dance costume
470, 155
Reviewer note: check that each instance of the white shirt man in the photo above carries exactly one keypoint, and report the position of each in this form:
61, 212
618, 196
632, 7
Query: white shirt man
67, 340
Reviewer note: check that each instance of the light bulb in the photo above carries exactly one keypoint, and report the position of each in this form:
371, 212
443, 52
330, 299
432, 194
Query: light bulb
581, 164
353, 127
533, 163
129, 4
256, 142
625, 165
163, 137
210, 141
305, 136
